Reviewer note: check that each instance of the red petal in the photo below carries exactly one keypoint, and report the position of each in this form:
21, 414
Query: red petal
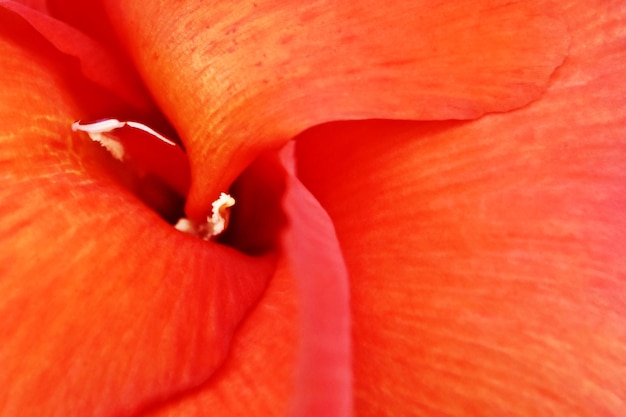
236, 78
99, 64
487, 259
104, 308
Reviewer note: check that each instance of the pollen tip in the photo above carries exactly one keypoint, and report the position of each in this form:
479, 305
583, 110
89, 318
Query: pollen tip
224, 201
186, 226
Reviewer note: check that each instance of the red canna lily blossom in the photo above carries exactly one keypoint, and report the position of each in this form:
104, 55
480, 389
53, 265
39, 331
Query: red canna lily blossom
429, 214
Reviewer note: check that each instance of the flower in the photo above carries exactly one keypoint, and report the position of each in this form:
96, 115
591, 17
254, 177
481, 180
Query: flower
464, 260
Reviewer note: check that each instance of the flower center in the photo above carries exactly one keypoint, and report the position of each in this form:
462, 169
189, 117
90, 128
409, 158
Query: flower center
138, 148
164, 177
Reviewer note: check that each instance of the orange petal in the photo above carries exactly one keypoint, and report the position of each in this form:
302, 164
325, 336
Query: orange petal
237, 78
487, 258
105, 308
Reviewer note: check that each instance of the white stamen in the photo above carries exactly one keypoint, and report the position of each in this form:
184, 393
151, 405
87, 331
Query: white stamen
95, 131
214, 225
108, 125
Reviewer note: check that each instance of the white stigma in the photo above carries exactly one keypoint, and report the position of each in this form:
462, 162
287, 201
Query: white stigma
214, 225
220, 213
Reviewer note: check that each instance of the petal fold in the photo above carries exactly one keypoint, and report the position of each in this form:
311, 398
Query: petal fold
257, 378
323, 385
